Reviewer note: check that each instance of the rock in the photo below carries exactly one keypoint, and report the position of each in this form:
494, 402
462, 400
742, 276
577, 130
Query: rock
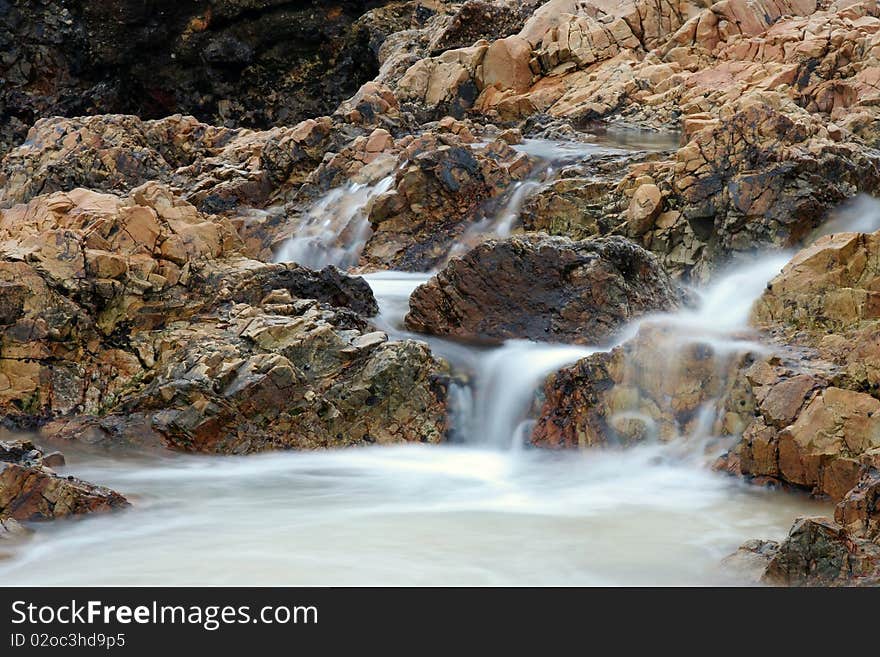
828, 286
443, 189
859, 510
30, 490
819, 552
221, 169
643, 209
750, 561
192, 345
542, 288
656, 386
506, 65
232, 62
821, 448
11, 530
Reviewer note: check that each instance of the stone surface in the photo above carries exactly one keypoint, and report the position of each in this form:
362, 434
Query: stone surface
30, 490
253, 64
542, 288
819, 552
137, 319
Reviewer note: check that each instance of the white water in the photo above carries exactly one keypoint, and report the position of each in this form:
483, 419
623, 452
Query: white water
472, 514
482, 511
859, 215
336, 227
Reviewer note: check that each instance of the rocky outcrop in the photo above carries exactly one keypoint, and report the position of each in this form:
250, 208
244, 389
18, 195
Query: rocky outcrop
443, 186
542, 288
31, 490
776, 121
143, 311
217, 169
229, 62
818, 428
824, 552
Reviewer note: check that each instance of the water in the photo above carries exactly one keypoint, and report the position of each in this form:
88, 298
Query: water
860, 214
405, 516
483, 511
335, 229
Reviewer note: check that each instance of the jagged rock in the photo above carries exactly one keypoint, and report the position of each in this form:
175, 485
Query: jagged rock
232, 62
819, 552
30, 490
828, 286
542, 288
859, 510
299, 375
444, 188
219, 168
143, 311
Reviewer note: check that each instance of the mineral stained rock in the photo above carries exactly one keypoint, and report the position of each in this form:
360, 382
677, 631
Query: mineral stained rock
543, 288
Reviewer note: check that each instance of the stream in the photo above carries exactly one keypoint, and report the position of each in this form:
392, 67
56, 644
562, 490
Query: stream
482, 510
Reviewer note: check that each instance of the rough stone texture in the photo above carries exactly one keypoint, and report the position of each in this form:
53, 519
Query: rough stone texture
776, 101
30, 490
859, 510
217, 168
233, 62
142, 310
444, 187
542, 288
819, 552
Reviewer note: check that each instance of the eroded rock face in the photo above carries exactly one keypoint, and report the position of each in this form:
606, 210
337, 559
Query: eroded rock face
31, 490
232, 62
143, 311
542, 288
445, 186
219, 169
776, 121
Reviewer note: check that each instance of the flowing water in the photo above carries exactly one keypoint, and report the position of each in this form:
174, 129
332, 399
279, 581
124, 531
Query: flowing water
482, 510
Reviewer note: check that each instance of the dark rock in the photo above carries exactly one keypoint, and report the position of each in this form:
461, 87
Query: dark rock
29, 490
234, 62
543, 288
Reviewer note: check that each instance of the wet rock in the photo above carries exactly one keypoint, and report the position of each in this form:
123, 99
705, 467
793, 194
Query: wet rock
446, 186
750, 561
542, 288
30, 490
656, 386
819, 552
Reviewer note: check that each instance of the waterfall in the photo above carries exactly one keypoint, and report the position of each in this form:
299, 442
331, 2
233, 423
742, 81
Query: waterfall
336, 227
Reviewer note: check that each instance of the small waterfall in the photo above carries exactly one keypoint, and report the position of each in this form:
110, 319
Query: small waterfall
679, 368
858, 215
335, 229
507, 379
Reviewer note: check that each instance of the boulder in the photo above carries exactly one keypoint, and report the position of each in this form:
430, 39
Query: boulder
542, 288
30, 490
444, 186
819, 552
